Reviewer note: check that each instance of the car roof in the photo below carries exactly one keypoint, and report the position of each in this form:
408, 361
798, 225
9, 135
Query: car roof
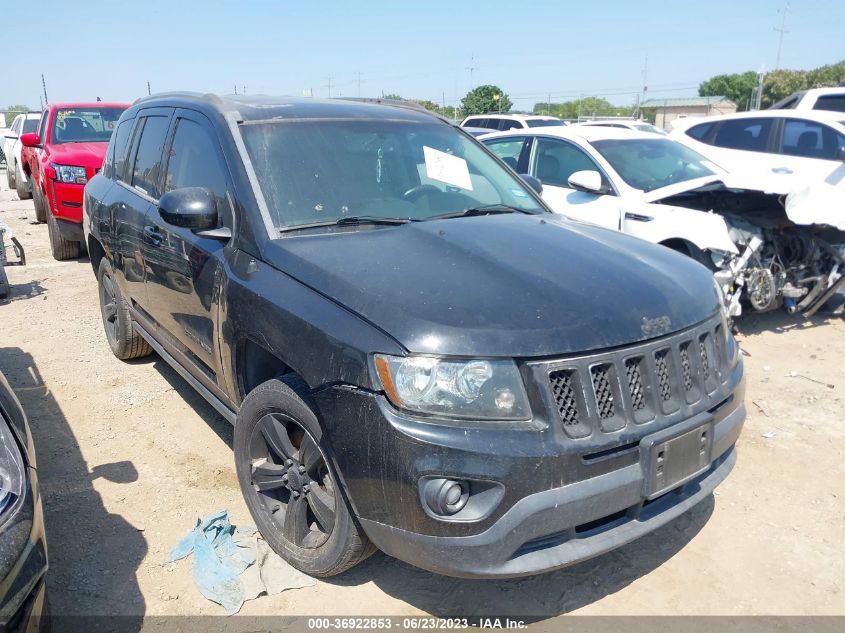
87, 104
264, 107
512, 115
587, 133
826, 116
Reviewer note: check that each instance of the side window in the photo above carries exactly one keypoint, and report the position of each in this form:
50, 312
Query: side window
810, 140
699, 132
147, 167
473, 123
115, 164
751, 135
836, 103
509, 124
195, 162
555, 161
508, 150
42, 127
16, 126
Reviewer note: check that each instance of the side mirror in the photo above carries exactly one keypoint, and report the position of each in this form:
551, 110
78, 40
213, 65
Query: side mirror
532, 182
840, 154
30, 139
192, 208
587, 180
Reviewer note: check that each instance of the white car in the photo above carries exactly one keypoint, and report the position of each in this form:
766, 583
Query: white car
662, 191
637, 126
808, 145
511, 121
15, 177
832, 99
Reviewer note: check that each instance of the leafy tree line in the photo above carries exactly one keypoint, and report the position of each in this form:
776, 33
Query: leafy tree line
14, 110
587, 106
777, 84
480, 100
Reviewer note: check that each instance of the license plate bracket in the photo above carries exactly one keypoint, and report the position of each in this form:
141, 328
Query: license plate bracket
672, 457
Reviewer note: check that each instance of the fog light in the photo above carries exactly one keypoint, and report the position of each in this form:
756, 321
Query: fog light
446, 496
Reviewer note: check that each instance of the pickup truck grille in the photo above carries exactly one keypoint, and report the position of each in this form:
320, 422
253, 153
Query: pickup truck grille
669, 378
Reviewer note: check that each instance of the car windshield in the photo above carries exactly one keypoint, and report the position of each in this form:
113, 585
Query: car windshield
29, 126
649, 164
324, 171
84, 125
543, 122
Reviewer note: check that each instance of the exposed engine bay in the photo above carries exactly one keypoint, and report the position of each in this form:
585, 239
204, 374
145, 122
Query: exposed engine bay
779, 263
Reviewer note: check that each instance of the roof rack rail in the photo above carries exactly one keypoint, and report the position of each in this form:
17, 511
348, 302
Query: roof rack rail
399, 103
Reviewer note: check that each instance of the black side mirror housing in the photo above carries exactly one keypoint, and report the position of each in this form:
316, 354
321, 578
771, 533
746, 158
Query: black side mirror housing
192, 208
532, 182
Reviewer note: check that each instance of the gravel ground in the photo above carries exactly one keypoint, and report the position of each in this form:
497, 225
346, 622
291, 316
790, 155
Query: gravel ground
129, 456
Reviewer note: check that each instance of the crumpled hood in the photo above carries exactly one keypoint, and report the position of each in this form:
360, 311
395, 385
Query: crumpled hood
501, 285
88, 155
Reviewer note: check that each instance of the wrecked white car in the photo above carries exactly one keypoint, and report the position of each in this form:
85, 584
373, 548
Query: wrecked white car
767, 245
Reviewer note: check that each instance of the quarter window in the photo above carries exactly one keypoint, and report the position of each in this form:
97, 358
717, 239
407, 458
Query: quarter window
556, 161
145, 173
116, 162
195, 162
746, 134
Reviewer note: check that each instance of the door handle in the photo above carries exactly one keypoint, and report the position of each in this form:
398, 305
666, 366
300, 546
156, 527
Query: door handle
782, 170
152, 235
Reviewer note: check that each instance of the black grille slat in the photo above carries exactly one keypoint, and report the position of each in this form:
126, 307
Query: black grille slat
634, 375
563, 391
686, 367
705, 360
604, 395
664, 385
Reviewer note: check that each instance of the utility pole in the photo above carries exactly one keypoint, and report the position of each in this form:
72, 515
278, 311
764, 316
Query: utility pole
359, 84
471, 68
44, 87
330, 87
243, 89
148, 89
236, 89
781, 32
549, 107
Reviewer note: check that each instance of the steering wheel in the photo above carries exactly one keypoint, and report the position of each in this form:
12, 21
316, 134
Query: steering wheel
420, 190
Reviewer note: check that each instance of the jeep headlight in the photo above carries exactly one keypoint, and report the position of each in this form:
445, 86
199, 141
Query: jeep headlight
474, 389
70, 174
11, 468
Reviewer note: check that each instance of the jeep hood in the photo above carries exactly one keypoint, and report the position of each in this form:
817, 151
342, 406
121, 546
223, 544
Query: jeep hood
501, 285
88, 155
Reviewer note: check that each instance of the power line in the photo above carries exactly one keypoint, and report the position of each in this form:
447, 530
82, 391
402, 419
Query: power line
781, 31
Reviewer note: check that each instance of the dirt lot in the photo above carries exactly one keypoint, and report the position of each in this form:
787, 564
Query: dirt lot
129, 456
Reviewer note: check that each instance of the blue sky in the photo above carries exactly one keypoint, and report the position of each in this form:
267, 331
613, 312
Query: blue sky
419, 50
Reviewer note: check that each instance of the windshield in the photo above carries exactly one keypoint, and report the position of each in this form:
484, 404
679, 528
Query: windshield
649, 164
84, 125
29, 126
321, 171
543, 122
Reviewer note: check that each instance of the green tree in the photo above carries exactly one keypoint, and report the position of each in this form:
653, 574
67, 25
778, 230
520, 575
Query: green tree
829, 75
393, 97
487, 98
588, 106
14, 110
779, 84
736, 87
428, 105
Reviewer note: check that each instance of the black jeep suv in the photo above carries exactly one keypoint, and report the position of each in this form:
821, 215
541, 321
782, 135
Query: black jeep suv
416, 354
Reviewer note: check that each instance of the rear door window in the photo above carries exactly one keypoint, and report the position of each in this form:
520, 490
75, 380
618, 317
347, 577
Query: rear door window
809, 139
701, 131
836, 103
147, 167
29, 126
509, 124
751, 135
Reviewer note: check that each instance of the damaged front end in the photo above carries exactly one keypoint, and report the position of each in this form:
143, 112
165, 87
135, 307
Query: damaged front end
784, 258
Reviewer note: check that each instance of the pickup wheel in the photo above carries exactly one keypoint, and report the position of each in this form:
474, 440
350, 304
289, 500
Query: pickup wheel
39, 203
288, 484
18, 183
10, 179
124, 341
62, 249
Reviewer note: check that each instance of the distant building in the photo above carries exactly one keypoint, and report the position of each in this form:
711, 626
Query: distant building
667, 110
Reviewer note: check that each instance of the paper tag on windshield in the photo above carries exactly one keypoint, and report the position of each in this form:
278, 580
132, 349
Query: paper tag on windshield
444, 167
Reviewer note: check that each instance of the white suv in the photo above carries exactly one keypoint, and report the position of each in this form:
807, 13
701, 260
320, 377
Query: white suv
502, 122
15, 177
816, 99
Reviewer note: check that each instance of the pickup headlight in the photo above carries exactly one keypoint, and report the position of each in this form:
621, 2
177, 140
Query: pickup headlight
70, 174
474, 389
11, 468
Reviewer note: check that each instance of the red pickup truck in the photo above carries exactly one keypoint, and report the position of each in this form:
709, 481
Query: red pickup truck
67, 150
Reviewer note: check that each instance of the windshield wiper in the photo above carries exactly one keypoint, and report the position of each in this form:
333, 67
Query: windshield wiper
489, 209
349, 220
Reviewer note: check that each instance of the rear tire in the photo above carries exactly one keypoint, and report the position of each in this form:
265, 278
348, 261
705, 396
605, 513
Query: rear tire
18, 183
62, 249
300, 509
39, 203
5, 288
124, 341
10, 179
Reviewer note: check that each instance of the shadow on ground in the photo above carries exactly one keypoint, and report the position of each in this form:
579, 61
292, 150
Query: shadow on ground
94, 554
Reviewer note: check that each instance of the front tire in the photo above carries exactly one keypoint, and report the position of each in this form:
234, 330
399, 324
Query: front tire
18, 183
39, 203
124, 341
62, 249
288, 484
